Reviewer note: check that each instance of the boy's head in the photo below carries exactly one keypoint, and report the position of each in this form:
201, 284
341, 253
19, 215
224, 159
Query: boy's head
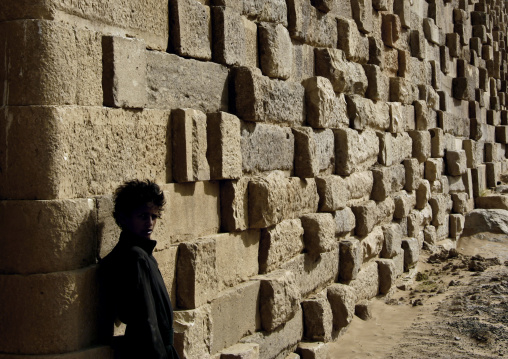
138, 204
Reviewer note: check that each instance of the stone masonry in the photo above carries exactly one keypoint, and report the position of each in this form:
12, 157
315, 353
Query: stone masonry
308, 149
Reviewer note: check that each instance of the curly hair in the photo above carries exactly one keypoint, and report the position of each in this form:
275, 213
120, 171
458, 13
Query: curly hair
134, 194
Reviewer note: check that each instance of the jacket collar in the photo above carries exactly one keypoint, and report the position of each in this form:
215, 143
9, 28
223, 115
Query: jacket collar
130, 239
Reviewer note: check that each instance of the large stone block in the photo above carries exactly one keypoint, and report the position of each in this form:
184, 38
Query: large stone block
423, 194
279, 299
387, 180
314, 152
309, 25
403, 90
421, 144
425, 117
392, 240
190, 26
433, 169
362, 13
456, 225
260, 99
196, 273
280, 140
241, 351
303, 62
440, 204
264, 11
342, 299
352, 42
346, 77
345, 221
64, 66
359, 185
333, 193
366, 284
413, 174
280, 342
403, 10
397, 118
319, 233
366, 215
379, 83
351, 259
314, 274
404, 203
372, 244
223, 146
411, 249
364, 113
47, 236
394, 148
240, 302
437, 143
44, 313
391, 30
317, 318
325, 109
355, 152
59, 152
276, 51
189, 145
279, 244
456, 162
387, 275
385, 210
275, 198
186, 83
192, 332
124, 72
166, 259
229, 37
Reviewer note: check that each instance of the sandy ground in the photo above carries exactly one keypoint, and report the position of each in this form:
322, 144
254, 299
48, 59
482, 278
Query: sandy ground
456, 306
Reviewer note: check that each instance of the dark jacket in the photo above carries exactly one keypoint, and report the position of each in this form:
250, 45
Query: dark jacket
136, 295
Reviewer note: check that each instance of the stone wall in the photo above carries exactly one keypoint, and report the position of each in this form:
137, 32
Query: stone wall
308, 149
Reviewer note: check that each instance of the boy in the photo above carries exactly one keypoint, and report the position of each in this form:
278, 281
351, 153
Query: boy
135, 288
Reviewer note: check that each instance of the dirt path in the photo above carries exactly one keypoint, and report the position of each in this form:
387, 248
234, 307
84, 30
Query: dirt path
456, 307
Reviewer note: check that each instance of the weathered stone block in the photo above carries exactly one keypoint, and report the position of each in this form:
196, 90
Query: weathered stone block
187, 83
189, 146
387, 275
319, 233
275, 198
366, 283
346, 77
309, 25
359, 185
223, 153
342, 299
234, 205
387, 180
312, 350
413, 174
404, 203
192, 332
502, 134
260, 99
403, 90
456, 225
281, 341
429, 235
352, 42
411, 249
43, 312
414, 223
242, 302
437, 143
392, 240
379, 84
362, 13
397, 118
385, 210
276, 51
314, 274
425, 117
351, 259
64, 66
314, 151
345, 221
229, 37
325, 109
462, 203
372, 244
492, 202
493, 173
266, 10
421, 144
456, 162
279, 244
423, 194
403, 10
333, 193
431, 31
364, 113
124, 72
279, 139
394, 148
391, 29
355, 152
52, 235
317, 318
439, 204
279, 299
366, 216
303, 62
197, 278
190, 27
433, 169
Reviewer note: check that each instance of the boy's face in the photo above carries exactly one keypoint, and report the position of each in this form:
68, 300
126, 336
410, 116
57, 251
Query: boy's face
142, 220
